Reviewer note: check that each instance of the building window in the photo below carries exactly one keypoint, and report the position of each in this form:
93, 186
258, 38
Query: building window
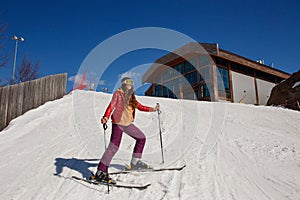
204, 91
223, 83
179, 68
179, 83
158, 91
220, 61
168, 88
192, 77
265, 76
165, 91
196, 95
190, 65
241, 68
168, 74
204, 73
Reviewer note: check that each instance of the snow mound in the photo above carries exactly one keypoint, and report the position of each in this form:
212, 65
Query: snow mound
243, 152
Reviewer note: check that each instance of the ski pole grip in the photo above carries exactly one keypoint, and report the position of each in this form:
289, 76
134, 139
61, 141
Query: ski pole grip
158, 111
104, 126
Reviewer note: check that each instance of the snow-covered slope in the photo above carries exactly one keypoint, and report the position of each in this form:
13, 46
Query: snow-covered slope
232, 151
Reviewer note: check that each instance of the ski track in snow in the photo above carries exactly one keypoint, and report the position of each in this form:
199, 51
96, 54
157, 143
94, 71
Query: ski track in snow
256, 156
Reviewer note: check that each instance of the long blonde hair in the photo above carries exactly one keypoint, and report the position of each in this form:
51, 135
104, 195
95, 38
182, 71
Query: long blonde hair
130, 97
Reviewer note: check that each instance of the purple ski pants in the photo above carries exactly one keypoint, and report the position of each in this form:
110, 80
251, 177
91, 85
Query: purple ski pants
115, 140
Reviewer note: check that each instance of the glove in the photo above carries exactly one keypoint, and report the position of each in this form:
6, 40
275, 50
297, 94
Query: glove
156, 108
104, 120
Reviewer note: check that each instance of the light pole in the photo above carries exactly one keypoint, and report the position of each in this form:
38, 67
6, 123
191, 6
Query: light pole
16, 49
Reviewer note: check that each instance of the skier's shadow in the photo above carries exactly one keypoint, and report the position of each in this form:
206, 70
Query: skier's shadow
80, 165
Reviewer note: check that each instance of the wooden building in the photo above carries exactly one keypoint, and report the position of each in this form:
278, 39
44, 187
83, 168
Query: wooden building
211, 74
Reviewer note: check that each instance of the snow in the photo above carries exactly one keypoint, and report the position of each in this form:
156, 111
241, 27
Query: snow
232, 151
296, 84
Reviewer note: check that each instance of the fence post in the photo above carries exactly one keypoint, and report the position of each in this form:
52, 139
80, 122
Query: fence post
3, 107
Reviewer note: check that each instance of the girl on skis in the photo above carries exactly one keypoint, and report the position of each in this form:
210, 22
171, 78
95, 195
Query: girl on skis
122, 107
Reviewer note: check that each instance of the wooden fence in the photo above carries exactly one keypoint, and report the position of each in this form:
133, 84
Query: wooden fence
17, 99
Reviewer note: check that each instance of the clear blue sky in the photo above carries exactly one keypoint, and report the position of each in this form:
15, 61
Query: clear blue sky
60, 34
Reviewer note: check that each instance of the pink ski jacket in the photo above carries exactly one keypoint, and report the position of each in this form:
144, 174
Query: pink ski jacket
117, 104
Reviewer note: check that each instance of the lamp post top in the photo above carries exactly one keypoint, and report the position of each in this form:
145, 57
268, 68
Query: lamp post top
18, 38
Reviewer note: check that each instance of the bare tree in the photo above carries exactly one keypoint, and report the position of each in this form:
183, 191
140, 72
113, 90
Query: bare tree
27, 71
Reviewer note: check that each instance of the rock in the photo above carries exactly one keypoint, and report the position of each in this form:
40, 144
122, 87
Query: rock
287, 93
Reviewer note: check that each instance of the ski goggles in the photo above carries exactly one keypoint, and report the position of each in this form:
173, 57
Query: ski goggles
128, 82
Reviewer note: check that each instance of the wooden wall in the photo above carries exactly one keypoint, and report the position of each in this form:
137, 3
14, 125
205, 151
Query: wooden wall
17, 99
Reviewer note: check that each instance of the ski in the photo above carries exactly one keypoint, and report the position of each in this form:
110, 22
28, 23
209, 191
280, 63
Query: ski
149, 170
118, 184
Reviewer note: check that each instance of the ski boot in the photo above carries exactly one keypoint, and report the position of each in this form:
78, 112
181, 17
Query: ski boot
102, 177
140, 165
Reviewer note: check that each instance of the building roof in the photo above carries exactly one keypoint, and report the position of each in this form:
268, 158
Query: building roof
192, 49
252, 64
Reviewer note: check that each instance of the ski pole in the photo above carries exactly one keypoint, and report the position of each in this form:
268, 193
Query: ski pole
160, 135
105, 146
